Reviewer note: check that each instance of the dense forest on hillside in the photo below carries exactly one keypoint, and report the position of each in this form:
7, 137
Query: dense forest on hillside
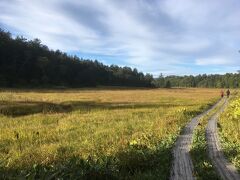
229, 80
28, 63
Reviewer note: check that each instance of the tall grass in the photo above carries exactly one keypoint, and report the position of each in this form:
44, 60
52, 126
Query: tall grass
94, 134
229, 130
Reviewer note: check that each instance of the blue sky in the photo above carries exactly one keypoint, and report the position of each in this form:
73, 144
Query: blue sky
156, 36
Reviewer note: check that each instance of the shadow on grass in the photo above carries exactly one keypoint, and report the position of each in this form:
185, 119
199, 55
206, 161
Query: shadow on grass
62, 89
22, 108
202, 164
26, 108
135, 162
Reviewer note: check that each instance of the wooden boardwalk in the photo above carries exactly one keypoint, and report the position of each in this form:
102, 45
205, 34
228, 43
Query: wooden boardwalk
225, 169
182, 167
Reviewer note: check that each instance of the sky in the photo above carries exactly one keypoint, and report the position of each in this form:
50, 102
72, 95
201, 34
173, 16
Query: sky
173, 37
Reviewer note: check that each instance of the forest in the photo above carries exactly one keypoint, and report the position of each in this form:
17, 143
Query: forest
229, 80
29, 63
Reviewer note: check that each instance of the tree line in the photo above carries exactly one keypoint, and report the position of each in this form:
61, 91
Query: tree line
29, 63
229, 80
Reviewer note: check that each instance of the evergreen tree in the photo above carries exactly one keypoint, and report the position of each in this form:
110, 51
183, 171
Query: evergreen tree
30, 63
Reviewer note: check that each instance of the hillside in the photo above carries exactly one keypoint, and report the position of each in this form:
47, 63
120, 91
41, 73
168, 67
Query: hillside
29, 63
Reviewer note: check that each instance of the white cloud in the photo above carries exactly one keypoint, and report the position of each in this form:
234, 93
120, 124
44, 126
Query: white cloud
154, 36
214, 61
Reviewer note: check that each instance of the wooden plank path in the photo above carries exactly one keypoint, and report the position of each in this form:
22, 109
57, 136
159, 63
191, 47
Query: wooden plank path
225, 169
182, 167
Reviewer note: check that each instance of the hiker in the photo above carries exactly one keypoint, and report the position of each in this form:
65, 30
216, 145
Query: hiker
222, 93
228, 93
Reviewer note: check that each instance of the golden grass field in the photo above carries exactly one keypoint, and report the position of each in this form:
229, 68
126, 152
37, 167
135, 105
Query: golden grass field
94, 133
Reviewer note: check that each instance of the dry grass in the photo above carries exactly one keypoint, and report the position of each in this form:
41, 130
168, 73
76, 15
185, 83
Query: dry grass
88, 132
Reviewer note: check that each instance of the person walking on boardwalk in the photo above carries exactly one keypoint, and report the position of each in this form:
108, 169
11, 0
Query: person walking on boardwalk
222, 93
228, 93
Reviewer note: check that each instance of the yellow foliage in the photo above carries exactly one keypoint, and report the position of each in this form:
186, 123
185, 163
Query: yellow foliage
40, 127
